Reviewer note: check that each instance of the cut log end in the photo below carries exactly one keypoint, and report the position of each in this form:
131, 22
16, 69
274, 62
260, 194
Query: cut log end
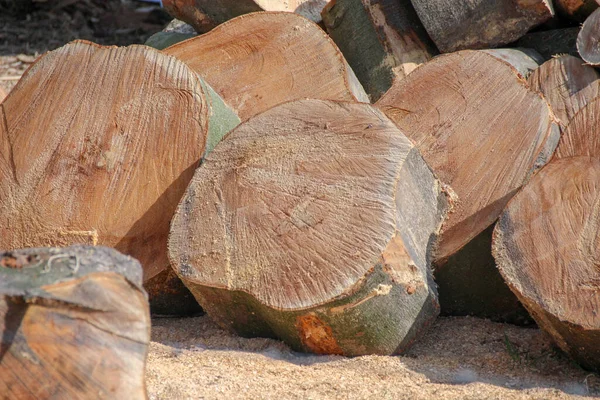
589, 38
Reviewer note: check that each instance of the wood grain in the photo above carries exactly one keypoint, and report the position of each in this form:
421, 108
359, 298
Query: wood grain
588, 39
259, 60
580, 137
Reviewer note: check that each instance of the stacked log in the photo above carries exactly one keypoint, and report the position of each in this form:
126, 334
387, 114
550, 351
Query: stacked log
588, 39
75, 324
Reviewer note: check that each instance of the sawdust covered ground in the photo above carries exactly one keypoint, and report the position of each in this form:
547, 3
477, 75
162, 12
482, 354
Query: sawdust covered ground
460, 358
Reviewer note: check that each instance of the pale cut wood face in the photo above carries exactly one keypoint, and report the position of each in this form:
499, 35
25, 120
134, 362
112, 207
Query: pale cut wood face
581, 138
259, 60
296, 205
97, 145
588, 37
479, 127
550, 234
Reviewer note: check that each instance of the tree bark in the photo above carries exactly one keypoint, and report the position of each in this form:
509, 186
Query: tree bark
479, 24
313, 222
562, 81
546, 246
382, 40
588, 39
75, 324
577, 10
105, 158
481, 129
552, 43
259, 60
205, 15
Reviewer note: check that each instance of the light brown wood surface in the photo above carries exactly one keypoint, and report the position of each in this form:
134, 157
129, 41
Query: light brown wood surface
480, 128
313, 222
260, 60
546, 247
75, 325
580, 137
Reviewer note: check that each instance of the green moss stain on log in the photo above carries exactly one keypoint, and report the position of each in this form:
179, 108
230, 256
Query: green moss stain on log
162, 40
221, 118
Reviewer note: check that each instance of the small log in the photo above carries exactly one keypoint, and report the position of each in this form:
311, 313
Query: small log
588, 40
481, 129
313, 223
551, 43
259, 60
546, 247
562, 80
75, 324
106, 158
205, 15
480, 24
581, 136
576, 10
381, 40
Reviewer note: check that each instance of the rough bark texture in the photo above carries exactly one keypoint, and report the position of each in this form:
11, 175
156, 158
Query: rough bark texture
259, 60
562, 80
480, 128
479, 24
382, 40
313, 222
588, 39
581, 136
577, 10
75, 324
106, 158
546, 246
552, 43
205, 15
480, 290
525, 61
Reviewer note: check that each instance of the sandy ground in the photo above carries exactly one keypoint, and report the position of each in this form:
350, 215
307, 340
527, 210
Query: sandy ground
460, 358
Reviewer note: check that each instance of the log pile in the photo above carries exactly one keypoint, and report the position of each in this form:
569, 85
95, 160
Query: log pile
239, 160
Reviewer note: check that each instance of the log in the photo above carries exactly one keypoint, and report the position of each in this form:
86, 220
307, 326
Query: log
576, 10
562, 80
479, 24
381, 40
552, 42
205, 15
75, 324
580, 137
259, 60
483, 132
588, 39
546, 247
313, 223
106, 158
525, 61
480, 128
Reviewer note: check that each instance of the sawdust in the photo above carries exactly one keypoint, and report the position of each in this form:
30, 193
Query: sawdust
460, 358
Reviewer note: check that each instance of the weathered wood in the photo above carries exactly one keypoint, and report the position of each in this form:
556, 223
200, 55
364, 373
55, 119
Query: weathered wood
2, 94
259, 60
588, 39
106, 158
75, 324
525, 61
581, 136
562, 80
479, 290
479, 24
382, 40
481, 129
577, 10
314, 223
176, 31
205, 15
551, 43
546, 246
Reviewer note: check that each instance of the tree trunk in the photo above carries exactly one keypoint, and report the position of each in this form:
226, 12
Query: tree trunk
75, 324
314, 223
106, 158
479, 24
577, 10
259, 60
381, 40
580, 137
562, 80
546, 246
205, 15
552, 43
588, 40
480, 128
